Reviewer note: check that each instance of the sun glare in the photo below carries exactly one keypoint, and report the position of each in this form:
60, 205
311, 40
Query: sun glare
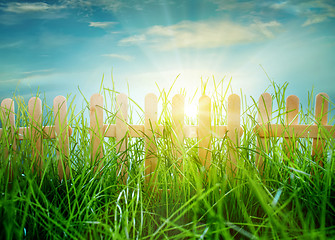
191, 111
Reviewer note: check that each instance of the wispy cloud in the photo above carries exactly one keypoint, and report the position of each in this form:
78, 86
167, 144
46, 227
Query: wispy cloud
314, 20
309, 11
40, 71
228, 5
205, 34
108, 5
25, 7
119, 56
10, 45
135, 39
28, 77
13, 13
312, 11
317, 11
102, 24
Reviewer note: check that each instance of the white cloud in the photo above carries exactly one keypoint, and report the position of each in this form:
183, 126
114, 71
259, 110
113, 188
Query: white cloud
102, 24
109, 5
119, 56
310, 11
41, 71
279, 5
314, 20
205, 34
313, 11
228, 5
317, 12
132, 39
24, 7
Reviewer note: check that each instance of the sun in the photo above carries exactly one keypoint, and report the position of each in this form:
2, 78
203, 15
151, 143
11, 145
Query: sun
191, 111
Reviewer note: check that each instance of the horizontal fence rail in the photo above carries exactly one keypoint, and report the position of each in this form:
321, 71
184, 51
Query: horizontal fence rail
150, 131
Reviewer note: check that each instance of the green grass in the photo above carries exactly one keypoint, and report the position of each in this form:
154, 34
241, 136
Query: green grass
286, 202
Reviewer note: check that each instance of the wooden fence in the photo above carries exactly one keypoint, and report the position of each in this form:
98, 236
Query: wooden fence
291, 130
36, 132
151, 130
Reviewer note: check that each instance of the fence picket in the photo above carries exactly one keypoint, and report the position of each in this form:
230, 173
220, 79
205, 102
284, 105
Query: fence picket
150, 128
8, 123
97, 129
204, 131
321, 116
234, 116
36, 132
121, 134
62, 133
264, 119
178, 111
292, 111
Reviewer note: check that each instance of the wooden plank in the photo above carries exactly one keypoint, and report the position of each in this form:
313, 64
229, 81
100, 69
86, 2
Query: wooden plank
204, 131
61, 131
298, 131
321, 117
96, 127
48, 132
292, 111
190, 131
121, 135
36, 133
150, 127
178, 114
264, 119
8, 122
234, 118
135, 131
220, 131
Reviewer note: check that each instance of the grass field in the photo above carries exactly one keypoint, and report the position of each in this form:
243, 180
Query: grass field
292, 199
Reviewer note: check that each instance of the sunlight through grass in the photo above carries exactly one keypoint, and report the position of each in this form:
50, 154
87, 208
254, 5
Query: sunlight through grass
293, 198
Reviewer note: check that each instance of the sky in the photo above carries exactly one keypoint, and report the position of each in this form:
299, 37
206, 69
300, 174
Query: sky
54, 47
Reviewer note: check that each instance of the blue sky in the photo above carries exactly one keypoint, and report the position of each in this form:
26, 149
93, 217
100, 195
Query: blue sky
56, 46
